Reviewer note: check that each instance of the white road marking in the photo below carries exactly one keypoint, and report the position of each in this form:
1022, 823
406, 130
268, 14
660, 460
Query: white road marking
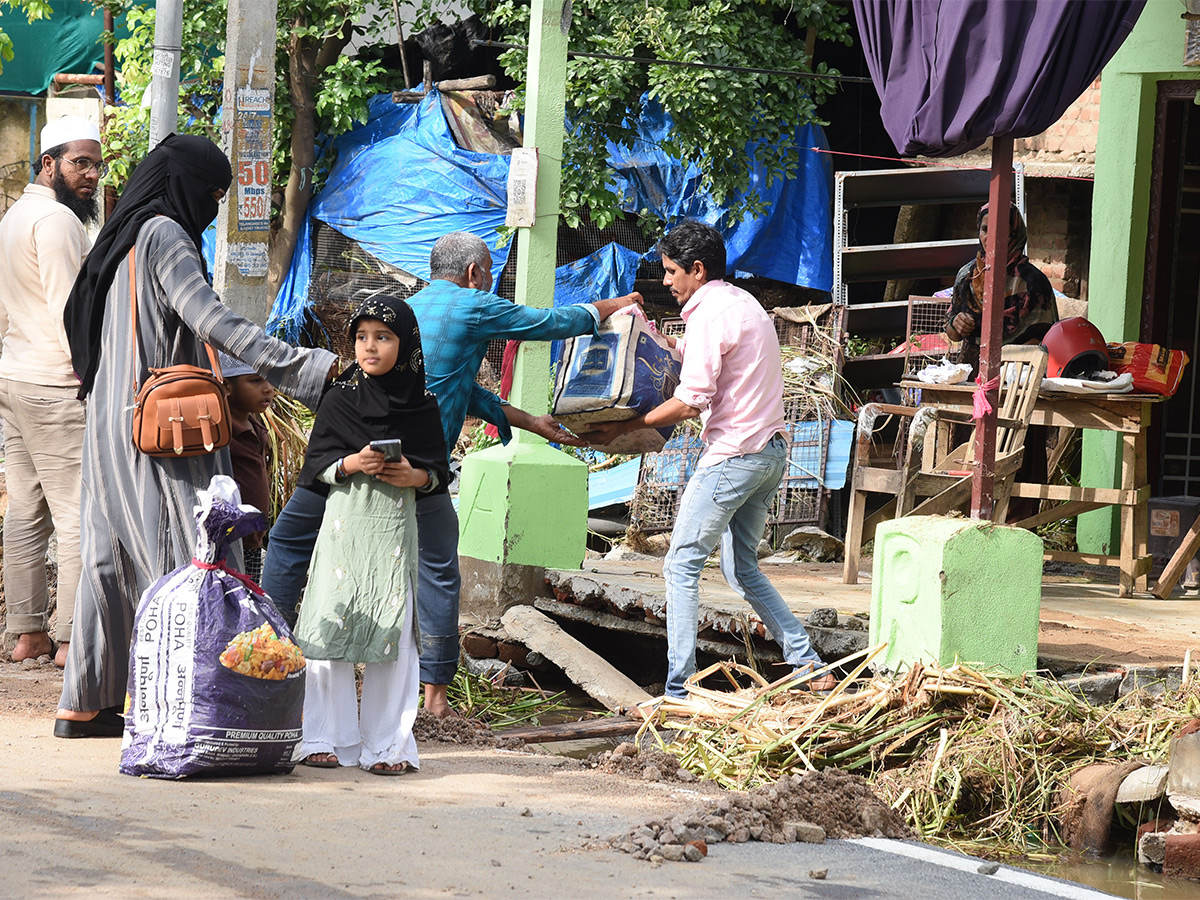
1006, 874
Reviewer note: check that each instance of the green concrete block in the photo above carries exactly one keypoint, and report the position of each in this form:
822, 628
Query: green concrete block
947, 590
524, 504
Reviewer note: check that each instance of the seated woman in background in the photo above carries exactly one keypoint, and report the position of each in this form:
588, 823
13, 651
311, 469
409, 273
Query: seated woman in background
1029, 305
1029, 311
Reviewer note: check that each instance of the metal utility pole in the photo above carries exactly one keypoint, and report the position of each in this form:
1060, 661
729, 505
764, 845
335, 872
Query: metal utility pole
164, 89
244, 220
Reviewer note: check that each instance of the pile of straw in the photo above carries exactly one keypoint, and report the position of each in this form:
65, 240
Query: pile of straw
969, 759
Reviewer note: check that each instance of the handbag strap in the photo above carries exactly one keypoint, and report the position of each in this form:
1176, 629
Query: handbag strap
213, 362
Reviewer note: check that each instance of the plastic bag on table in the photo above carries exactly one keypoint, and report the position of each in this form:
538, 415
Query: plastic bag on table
216, 683
944, 372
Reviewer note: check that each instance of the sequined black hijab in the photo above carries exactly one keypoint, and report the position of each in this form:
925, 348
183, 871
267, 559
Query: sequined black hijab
175, 180
359, 408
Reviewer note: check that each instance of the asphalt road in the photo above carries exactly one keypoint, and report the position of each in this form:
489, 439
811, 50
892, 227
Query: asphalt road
470, 823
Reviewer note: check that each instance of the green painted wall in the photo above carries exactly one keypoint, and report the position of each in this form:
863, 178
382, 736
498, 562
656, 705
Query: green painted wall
946, 590
1120, 209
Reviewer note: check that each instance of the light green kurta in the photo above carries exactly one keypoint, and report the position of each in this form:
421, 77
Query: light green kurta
363, 573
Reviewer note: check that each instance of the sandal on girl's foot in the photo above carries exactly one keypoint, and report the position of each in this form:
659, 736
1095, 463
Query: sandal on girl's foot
321, 761
389, 768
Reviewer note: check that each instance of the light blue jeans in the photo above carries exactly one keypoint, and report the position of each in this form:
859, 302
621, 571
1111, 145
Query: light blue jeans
728, 502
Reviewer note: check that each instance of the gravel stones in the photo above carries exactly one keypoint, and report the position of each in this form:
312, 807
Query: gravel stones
647, 764
806, 807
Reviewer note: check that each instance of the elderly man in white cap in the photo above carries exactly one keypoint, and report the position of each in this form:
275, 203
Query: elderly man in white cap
42, 246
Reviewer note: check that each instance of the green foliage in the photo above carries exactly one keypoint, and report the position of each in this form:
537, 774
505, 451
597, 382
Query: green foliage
33, 9
346, 86
717, 114
201, 74
340, 91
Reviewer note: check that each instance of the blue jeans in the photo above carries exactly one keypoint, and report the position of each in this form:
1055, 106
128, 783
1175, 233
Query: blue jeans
290, 548
728, 502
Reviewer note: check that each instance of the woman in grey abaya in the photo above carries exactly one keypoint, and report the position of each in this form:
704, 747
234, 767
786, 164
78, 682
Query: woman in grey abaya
137, 511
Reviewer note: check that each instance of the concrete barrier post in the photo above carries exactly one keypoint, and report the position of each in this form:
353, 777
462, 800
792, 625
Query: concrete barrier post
956, 589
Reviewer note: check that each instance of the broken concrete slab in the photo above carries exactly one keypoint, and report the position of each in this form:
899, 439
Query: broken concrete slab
623, 552
1152, 680
589, 670
823, 617
1146, 785
637, 603
1183, 776
1098, 689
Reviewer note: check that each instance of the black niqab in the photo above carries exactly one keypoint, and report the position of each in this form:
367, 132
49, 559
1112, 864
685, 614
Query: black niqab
175, 180
359, 408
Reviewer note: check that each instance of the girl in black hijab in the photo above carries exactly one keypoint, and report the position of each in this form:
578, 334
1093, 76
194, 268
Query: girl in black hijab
360, 602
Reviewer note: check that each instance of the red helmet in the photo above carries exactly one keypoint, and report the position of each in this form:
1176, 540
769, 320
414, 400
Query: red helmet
1075, 347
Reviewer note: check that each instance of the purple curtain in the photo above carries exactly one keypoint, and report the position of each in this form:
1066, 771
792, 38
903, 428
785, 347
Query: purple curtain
952, 73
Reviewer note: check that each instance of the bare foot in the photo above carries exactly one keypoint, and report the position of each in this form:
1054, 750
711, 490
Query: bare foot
826, 682
60, 658
32, 645
436, 703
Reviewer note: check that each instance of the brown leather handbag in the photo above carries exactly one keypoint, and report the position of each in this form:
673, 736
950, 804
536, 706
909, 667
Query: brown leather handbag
180, 410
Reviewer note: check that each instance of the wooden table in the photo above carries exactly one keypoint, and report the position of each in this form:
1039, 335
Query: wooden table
1124, 414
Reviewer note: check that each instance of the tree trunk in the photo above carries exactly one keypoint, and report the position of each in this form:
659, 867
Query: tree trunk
305, 61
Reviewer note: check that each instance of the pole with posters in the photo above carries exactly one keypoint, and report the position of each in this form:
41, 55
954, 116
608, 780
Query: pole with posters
244, 220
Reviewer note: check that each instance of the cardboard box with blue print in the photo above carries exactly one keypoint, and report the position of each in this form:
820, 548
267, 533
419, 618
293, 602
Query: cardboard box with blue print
624, 371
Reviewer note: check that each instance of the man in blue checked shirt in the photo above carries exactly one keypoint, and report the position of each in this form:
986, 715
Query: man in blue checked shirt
458, 316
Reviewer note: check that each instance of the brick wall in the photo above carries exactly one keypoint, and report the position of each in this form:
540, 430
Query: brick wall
1060, 225
1060, 214
1073, 136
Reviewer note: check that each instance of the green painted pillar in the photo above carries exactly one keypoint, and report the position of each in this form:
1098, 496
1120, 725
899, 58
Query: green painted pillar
523, 507
946, 590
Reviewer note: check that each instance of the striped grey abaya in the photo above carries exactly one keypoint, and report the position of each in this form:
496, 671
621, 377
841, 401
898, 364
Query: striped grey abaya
138, 520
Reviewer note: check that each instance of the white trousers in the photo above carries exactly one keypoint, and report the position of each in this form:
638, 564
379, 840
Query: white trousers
382, 732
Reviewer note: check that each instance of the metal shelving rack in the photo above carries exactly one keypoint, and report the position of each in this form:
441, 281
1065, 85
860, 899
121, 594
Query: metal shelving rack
888, 262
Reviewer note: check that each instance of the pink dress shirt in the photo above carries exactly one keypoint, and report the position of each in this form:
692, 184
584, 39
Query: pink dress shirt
731, 371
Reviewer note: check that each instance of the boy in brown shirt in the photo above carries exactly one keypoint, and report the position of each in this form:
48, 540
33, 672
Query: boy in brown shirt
250, 396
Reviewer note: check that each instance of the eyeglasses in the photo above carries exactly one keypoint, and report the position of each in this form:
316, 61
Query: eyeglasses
85, 165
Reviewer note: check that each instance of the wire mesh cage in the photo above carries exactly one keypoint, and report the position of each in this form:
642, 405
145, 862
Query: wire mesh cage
925, 338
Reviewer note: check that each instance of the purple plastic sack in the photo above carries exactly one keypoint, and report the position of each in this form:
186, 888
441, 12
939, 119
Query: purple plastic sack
216, 682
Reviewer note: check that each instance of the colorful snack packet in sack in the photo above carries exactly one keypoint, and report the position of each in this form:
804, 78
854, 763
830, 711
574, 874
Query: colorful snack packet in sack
216, 683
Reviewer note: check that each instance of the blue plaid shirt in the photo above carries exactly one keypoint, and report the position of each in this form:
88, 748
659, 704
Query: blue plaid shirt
457, 324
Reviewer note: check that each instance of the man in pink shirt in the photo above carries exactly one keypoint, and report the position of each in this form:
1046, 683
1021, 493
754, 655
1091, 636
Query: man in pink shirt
732, 380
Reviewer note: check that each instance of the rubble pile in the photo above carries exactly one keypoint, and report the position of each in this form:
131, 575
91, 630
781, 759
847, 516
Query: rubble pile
457, 730
647, 763
805, 808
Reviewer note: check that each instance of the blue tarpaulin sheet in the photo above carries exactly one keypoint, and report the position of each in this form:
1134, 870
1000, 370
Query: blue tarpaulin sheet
791, 242
400, 182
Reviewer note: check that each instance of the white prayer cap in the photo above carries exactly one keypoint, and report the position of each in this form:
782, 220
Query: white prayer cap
67, 129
